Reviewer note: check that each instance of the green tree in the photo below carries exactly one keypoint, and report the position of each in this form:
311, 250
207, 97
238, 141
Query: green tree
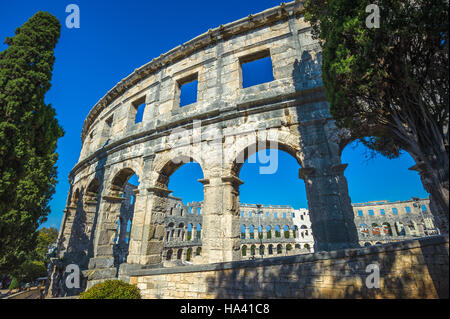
388, 86
30, 270
45, 239
28, 137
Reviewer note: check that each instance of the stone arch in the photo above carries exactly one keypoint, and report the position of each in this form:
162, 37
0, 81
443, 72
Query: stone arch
169, 254
277, 230
244, 250
179, 253
111, 210
164, 167
286, 231
269, 231
76, 197
253, 250
261, 250
189, 254
251, 231
387, 229
288, 248
93, 187
243, 231
279, 249
287, 143
190, 231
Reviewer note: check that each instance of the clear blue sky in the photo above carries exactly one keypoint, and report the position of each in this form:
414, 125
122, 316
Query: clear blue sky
117, 37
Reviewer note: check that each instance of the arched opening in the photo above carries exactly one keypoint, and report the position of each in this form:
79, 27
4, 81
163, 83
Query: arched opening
364, 230
376, 231
269, 232
244, 250
387, 229
375, 180
279, 249
288, 248
242, 231
277, 231
124, 185
169, 254
271, 177
294, 231
400, 228
260, 232
251, 231
178, 186
179, 254
261, 250
270, 249
286, 231
189, 254
189, 232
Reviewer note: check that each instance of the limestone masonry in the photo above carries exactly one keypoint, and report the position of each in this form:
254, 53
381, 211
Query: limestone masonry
226, 124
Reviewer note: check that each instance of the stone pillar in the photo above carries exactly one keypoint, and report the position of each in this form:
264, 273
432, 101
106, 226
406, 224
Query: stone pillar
393, 230
330, 209
103, 261
221, 227
153, 226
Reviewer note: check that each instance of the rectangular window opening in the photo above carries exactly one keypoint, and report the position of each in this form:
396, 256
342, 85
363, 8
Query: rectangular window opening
188, 87
109, 122
139, 107
256, 69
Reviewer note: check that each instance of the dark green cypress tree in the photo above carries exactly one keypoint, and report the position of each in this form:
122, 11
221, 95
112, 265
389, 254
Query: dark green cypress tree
28, 136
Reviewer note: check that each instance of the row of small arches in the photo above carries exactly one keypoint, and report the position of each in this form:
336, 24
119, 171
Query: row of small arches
182, 232
268, 230
191, 210
271, 249
190, 253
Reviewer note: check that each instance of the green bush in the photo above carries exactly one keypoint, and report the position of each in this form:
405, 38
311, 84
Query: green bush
14, 284
112, 289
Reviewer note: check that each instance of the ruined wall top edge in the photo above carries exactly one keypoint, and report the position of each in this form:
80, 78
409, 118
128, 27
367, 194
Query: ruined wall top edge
211, 37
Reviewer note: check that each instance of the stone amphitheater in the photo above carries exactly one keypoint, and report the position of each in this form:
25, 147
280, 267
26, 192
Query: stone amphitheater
226, 124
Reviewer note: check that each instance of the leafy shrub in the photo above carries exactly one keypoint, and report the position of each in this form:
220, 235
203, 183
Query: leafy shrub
112, 289
14, 284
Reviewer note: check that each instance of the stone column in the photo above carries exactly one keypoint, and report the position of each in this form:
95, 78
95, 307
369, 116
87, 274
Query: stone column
221, 227
393, 230
154, 227
330, 209
103, 261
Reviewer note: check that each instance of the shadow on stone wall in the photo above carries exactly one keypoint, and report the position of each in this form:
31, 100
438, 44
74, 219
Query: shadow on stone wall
80, 244
341, 274
329, 204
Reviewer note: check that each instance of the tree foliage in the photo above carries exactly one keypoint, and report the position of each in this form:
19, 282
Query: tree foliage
388, 86
28, 136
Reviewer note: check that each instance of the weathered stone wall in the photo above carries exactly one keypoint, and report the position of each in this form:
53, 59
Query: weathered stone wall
409, 269
219, 132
